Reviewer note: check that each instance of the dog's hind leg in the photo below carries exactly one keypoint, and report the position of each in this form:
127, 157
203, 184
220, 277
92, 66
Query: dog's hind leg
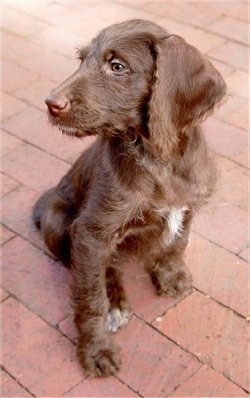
53, 216
165, 263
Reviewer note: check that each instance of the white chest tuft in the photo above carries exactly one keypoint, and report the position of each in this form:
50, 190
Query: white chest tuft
175, 219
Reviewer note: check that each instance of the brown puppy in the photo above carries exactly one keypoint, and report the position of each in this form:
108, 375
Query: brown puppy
143, 92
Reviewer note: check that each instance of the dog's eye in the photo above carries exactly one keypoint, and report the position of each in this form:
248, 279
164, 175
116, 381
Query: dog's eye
117, 67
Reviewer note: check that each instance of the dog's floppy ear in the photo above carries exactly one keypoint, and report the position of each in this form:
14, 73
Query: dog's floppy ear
186, 89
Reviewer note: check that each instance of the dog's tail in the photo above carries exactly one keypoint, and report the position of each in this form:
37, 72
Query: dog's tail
51, 215
40, 207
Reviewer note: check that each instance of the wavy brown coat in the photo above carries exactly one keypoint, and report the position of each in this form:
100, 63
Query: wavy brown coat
143, 93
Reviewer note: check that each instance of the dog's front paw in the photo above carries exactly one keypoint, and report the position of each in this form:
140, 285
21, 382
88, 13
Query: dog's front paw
117, 318
176, 283
100, 359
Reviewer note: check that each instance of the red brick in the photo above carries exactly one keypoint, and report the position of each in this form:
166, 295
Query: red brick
110, 387
7, 184
15, 77
33, 167
239, 117
233, 187
54, 38
113, 13
223, 138
224, 69
223, 27
218, 273
208, 383
212, 333
35, 93
43, 135
232, 103
46, 11
19, 23
236, 10
3, 294
32, 9
37, 355
85, 143
21, 221
221, 226
6, 234
204, 41
51, 65
9, 143
11, 388
223, 166
141, 294
232, 53
42, 284
83, 6
67, 327
101, 15
245, 253
17, 48
242, 157
146, 353
195, 13
237, 83
10, 105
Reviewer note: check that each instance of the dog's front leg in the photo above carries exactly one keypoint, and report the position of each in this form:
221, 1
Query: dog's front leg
97, 352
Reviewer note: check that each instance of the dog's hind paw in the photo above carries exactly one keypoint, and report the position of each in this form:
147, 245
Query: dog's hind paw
117, 318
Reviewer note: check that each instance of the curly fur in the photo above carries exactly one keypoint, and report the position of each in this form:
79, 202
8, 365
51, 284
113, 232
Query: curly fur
143, 93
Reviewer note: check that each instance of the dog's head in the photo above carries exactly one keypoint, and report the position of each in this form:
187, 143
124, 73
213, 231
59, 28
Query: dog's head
108, 92
135, 77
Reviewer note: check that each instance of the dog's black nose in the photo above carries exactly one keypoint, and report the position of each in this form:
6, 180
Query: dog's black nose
56, 105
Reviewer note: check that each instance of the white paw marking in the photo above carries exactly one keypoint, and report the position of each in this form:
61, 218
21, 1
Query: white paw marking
116, 319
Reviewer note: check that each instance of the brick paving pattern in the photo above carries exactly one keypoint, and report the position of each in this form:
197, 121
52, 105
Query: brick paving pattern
194, 347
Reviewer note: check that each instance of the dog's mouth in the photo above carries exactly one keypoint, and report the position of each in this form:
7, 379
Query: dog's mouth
73, 128
74, 131
68, 130
63, 127
70, 127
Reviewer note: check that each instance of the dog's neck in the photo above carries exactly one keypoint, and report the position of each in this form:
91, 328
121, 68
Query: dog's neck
138, 148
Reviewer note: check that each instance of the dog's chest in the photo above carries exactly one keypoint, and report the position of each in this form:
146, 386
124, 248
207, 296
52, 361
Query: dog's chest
174, 220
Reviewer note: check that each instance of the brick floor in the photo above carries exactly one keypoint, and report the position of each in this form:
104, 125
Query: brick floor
218, 273
10, 105
193, 347
208, 383
153, 365
11, 388
218, 225
41, 284
39, 133
7, 184
212, 333
10, 142
3, 294
6, 234
101, 388
17, 164
29, 346
233, 53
